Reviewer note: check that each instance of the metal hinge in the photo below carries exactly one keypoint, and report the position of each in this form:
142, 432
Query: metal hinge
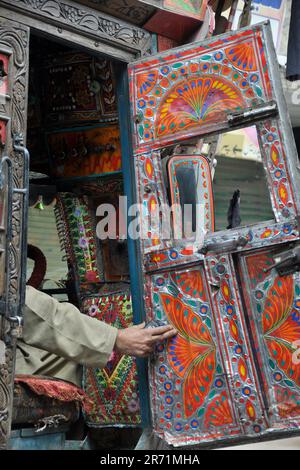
220, 246
288, 262
252, 114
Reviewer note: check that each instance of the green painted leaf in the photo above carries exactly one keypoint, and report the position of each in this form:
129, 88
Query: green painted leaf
289, 383
219, 369
205, 57
177, 65
212, 394
207, 322
201, 412
192, 303
173, 291
297, 289
156, 298
258, 91
258, 306
271, 364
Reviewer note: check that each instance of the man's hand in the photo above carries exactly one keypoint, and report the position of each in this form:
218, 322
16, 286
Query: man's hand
140, 341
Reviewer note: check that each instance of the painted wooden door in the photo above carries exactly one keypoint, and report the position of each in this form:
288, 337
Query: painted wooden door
14, 171
231, 373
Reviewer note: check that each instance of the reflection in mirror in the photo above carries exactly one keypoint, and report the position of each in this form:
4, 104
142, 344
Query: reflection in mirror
191, 195
240, 168
42, 233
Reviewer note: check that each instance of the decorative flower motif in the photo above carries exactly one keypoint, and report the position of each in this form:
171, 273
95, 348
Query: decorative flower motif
72, 14
91, 276
95, 87
109, 27
77, 212
111, 316
93, 310
35, 3
287, 229
218, 412
133, 406
219, 55
196, 101
280, 327
173, 254
191, 354
83, 242
165, 70
109, 394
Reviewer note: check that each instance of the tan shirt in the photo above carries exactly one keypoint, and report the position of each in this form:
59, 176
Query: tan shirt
58, 338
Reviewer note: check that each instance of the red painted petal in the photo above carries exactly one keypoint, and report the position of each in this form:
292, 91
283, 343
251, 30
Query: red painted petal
278, 303
283, 355
182, 353
218, 412
191, 283
186, 321
198, 382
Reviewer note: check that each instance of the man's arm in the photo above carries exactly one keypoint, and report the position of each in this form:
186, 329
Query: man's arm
61, 329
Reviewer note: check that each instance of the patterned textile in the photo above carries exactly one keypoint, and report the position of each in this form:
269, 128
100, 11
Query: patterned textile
55, 388
29, 408
77, 235
94, 260
78, 88
113, 389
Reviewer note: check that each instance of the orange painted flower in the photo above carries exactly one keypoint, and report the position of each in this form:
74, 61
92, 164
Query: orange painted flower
191, 354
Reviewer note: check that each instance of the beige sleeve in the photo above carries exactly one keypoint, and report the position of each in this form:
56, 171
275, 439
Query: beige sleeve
61, 329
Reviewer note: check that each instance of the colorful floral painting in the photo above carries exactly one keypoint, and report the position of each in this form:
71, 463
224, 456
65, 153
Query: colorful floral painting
191, 396
190, 91
113, 390
274, 306
231, 371
77, 234
196, 101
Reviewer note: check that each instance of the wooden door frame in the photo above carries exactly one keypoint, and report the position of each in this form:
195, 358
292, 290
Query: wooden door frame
72, 24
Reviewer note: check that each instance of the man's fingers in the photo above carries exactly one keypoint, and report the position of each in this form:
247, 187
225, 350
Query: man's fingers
159, 330
146, 351
140, 326
168, 334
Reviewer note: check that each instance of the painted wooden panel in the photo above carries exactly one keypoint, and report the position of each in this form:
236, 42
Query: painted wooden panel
189, 91
273, 308
204, 386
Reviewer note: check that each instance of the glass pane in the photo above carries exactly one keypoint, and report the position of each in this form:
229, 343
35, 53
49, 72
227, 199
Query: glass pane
42, 232
239, 167
191, 196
